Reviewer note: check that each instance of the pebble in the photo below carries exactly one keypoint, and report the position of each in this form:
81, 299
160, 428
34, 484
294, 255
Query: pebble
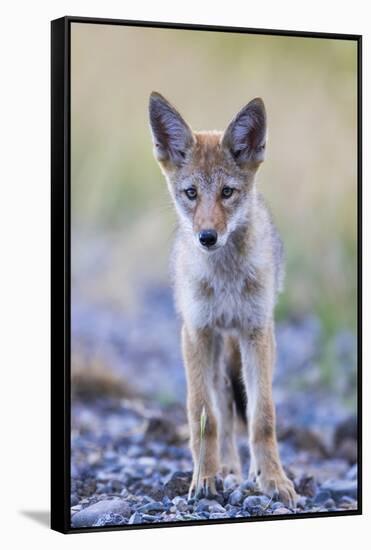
248, 485
230, 482
252, 502
301, 502
236, 497
147, 461
218, 515
232, 510
281, 511
180, 504
157, 492
217, 509
329, 504
178, 484
135, 518
109, 519
76, 508
307, 486
88, 516
322, 496
115, 486
347, 502
151, 507
207, 505
339, 488
151, 518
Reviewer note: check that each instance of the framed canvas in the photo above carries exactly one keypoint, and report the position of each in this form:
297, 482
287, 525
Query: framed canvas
206, 280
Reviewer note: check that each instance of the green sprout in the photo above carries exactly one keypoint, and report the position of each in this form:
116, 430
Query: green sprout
201, 458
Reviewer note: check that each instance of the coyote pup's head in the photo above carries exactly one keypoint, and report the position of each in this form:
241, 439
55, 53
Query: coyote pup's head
210, 174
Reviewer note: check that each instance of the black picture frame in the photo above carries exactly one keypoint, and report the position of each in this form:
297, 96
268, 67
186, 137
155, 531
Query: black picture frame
61, 260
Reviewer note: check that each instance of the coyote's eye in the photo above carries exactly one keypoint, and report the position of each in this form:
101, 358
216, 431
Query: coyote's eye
191, 193
227, 192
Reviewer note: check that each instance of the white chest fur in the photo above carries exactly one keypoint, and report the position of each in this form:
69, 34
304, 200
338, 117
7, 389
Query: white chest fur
224, 292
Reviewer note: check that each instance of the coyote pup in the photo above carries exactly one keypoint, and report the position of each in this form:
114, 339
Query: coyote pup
228, 271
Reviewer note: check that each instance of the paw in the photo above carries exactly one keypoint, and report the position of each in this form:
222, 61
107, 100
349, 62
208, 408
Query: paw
278, 485
205, 489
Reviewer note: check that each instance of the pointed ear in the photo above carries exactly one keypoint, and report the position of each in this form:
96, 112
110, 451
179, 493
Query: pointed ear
172, 137
245, 137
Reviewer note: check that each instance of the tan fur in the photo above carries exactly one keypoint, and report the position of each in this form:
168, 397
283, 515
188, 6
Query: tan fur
225, 294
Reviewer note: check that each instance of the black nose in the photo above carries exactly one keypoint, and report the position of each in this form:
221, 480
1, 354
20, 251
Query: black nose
208, 237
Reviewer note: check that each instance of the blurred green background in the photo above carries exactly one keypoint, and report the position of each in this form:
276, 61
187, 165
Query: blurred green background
122, 219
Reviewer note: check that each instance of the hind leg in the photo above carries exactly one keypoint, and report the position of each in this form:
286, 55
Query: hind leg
229, 363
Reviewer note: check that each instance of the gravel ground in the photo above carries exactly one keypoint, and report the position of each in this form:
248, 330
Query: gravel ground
130, 458
131, 464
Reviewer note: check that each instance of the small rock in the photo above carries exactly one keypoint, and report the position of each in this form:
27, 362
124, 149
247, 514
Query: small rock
146, 499
147, 461
346, 430
178, 484
307, 486
329, 504
76, 508
180, 504
218, 515
148, 517
248, 485
232, 510
230, 482
101, 488
166, 501
339, 488
115, 486
236, 497
193, 516
87, 517
252, 502
347, 500
135, 518
109, 519
134, 451
151, 507
74, 500
207, 505
281, 511
348, 503
322, 496
155, 491
216, 508
301, 502
89, 487
347, 450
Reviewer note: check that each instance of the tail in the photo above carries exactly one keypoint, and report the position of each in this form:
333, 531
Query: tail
234, 369
239, 395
